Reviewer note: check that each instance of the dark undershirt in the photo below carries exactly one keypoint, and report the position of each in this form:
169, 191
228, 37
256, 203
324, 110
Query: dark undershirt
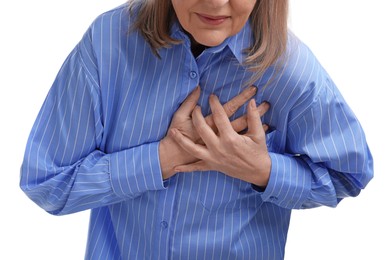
197, 49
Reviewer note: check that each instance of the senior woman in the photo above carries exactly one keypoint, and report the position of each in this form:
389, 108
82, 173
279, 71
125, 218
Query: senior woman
123, 132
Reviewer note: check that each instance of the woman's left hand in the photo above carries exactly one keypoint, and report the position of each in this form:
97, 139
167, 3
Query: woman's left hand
242, 156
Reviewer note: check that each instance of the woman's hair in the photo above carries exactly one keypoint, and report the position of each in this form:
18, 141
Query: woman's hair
268, 21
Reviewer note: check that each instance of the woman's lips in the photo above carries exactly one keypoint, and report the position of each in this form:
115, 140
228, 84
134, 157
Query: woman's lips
212, 20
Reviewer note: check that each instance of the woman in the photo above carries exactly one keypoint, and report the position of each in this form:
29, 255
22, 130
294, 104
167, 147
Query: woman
122, 132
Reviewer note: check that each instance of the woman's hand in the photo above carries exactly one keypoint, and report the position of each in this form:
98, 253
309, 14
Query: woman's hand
172, 154
242, 156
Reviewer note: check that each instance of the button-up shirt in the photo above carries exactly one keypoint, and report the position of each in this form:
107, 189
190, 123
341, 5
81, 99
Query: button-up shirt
94, 146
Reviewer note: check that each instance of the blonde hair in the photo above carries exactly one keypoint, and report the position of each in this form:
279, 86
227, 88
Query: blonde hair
268, 21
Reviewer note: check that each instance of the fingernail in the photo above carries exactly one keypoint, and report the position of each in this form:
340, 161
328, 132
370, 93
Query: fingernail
252, 104
254, 89
213, 96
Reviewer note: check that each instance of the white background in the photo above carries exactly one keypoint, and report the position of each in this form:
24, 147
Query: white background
349, 37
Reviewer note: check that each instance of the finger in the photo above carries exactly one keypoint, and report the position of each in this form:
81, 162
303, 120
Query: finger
241, 126
220, 118
234, 104
263, 108
205, 132
190, 102
255, 128
241, 123
196, 150
196, 166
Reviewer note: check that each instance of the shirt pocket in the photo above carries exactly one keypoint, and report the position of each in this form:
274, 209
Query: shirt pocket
222, 192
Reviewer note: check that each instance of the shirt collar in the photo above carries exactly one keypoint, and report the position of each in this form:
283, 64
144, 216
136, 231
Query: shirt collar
240, 42
237, 43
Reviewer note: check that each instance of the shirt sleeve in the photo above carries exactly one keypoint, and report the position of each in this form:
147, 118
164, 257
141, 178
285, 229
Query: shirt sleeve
64, 169
327, 156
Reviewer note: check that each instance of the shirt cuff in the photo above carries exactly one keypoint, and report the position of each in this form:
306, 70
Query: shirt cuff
136, 170
289, 183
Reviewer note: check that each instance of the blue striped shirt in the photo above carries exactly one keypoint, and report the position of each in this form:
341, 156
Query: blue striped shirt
94, 146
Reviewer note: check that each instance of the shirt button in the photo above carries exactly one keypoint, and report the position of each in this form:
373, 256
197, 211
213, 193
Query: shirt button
164, 224
273, 198
193, 74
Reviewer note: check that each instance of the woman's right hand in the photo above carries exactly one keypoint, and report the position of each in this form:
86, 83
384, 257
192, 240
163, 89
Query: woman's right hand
171, 154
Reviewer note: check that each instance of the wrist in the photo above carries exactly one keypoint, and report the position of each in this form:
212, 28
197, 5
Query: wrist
167, 157
263, 174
